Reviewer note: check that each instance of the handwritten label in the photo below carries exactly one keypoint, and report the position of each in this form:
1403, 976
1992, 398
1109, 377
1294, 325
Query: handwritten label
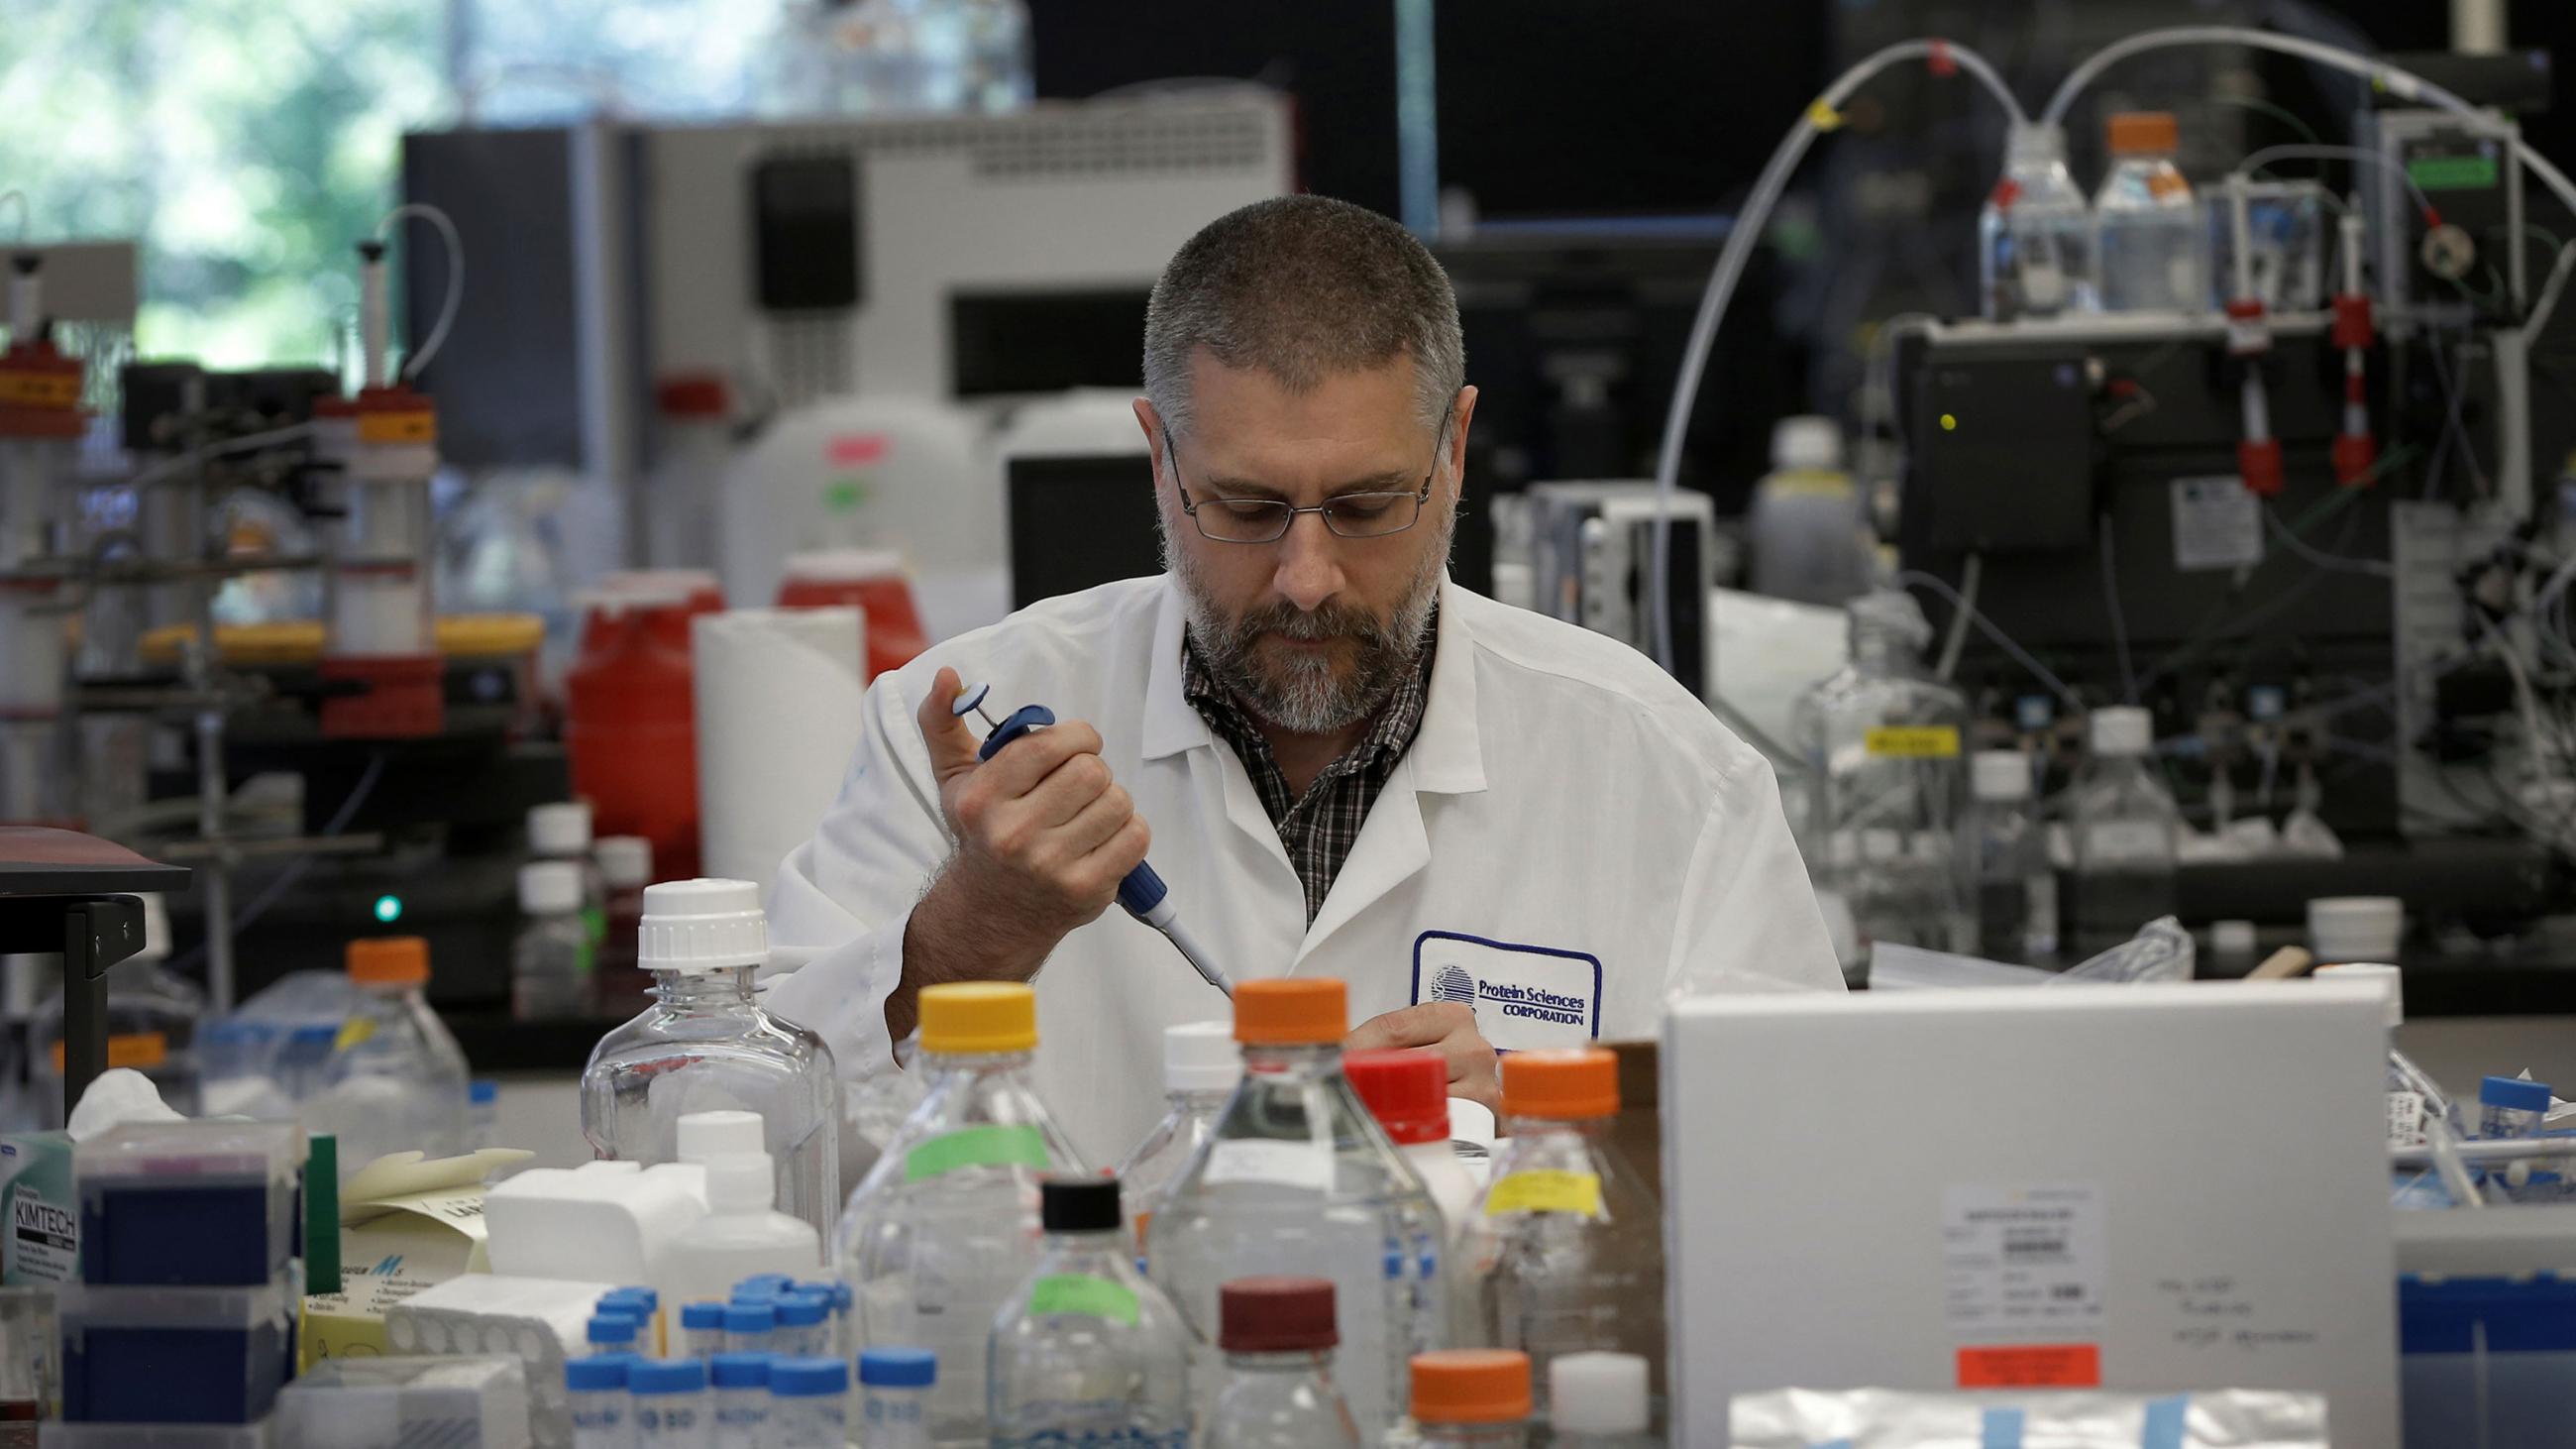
1083, 1293
1912, 742
1542, 1190
2220, 1311
989, 1146
2023, 1262
1273, 1160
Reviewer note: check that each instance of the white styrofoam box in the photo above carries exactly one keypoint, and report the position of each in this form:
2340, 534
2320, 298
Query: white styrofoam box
539, 1321
611, 1222
362, 1403
2148, 1188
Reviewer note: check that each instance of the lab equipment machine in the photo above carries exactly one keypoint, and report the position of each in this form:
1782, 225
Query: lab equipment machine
2145, 1232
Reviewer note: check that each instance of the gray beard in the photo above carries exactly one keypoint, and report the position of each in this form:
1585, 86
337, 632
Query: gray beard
1305, 693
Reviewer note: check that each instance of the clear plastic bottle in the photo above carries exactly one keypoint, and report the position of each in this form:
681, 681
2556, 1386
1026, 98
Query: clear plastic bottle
396, 1081
596, 1387
1599, 1401
1277, 1389
2127, 832
482, 1114
625, 869
668, 1402
2152, 242
2016, 886
2035, 235
1408, 1093
707, 1044
808, 1404
1472, 1398
894, 1397
741, 1391
1888, 785
561, 831
1201, 1064
1087, 1351
552, 961
152, 1016
740, 1235
1809, 534
1299, 1180
945, 1226
1564, 1251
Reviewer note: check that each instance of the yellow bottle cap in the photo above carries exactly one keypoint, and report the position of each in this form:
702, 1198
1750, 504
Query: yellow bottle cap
969, 1017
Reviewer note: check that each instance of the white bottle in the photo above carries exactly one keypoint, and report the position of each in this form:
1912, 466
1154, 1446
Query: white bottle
2127, 834
1598, 1401
561, 831
741, 1234
1201, 1064
2153, 245
551, 962
1805, 523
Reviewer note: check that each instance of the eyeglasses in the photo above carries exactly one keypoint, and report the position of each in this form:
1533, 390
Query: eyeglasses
1267, 520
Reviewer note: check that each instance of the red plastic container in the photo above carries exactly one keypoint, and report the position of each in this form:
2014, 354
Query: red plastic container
871, 581
631, 726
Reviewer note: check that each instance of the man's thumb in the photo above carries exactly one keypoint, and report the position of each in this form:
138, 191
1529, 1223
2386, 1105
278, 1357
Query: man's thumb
950, 742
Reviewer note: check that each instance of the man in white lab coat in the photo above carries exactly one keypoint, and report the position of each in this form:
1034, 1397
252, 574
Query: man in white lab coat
1502, 831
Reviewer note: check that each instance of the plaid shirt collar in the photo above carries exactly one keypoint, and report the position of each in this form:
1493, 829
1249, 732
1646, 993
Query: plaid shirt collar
1319, 828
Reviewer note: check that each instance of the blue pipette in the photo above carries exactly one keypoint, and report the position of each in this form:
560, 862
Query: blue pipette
1142, 892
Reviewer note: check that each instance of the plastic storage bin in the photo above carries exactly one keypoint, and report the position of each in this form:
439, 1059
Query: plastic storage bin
176, 1355
2487, 1360
189, 1203
361, 1403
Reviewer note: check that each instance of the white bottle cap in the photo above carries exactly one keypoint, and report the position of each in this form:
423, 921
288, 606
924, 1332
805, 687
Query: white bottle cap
702, 925
706, 1136
2001, 775
2356, 928
562, 828
2232, 938
2391, 985
2034, 142
740, 1182
1811, 444
1201, 1057
2122, 729
1597, 1393
549, 887
625, 861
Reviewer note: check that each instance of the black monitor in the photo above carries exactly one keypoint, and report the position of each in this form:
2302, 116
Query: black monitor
1079, 520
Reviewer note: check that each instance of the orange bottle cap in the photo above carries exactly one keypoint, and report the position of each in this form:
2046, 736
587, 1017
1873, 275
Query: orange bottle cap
1562, 1084
2144, 133
1307, 1011
1471, 1386
389, 961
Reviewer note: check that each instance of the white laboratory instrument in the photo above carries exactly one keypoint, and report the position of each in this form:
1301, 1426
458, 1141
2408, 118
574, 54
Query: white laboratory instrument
2162, 1188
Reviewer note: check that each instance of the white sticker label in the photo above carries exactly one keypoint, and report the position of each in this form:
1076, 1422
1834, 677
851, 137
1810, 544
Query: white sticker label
2405, 1119
1523, 996
2022, 1262
1275, 1161
2122, 840
2217, 524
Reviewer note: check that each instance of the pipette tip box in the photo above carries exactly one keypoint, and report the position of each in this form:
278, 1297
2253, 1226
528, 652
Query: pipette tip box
189, 1203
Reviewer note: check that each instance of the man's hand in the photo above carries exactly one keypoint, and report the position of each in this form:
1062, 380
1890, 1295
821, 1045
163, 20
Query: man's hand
1043, 836
1447, 1027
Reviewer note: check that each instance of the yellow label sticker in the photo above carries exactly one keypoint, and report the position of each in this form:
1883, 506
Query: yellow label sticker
1823, 115
40, 389
1913, 742
141, 1050
413, 427
352, 1032
1546, 1190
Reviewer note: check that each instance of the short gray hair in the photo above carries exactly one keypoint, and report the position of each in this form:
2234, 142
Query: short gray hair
1303, 287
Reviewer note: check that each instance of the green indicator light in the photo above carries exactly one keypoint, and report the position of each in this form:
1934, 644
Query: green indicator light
389, 909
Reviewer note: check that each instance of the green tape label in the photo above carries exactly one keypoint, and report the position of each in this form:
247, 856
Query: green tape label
2452, 173
1084, 1294
1022, 1146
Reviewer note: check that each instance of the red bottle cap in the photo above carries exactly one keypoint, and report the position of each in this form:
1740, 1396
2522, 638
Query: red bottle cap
1276, 1315
1407, 1091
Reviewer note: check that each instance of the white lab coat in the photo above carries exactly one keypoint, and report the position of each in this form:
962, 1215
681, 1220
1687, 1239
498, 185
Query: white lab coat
1571, 840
